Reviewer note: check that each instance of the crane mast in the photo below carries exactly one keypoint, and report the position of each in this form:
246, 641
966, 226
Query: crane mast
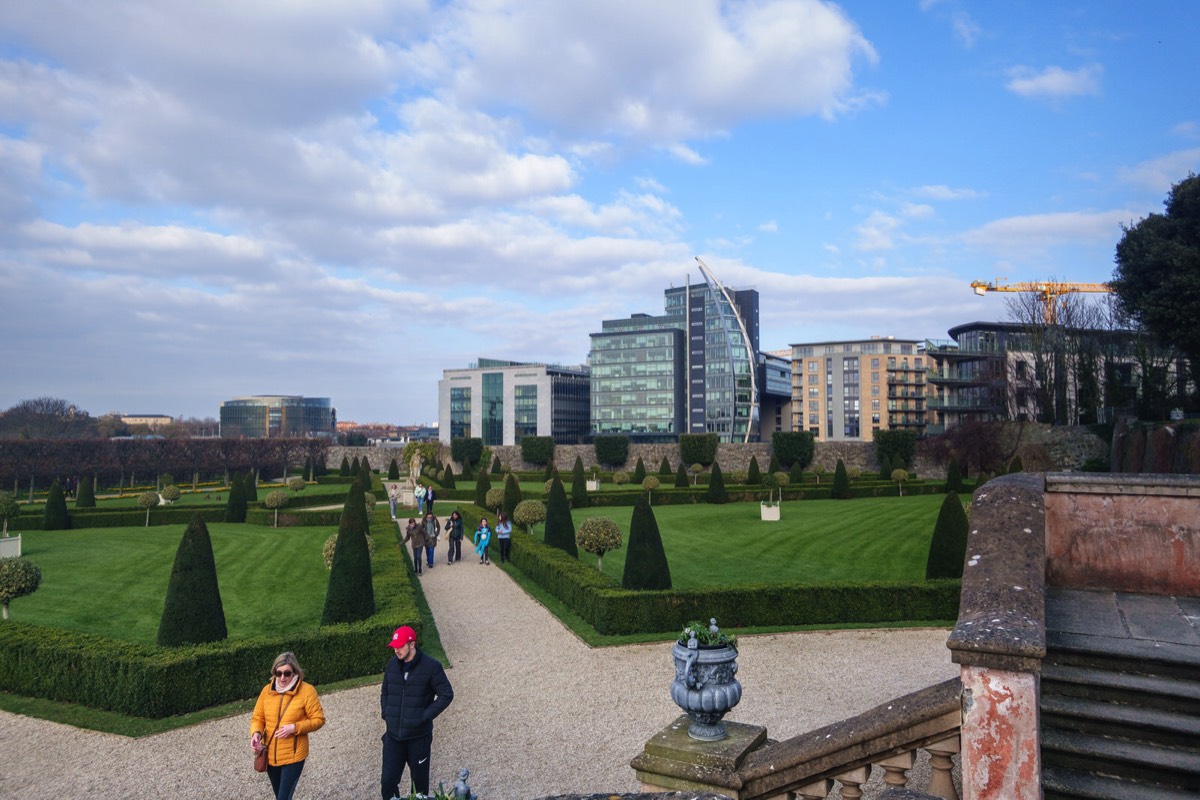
1049, 292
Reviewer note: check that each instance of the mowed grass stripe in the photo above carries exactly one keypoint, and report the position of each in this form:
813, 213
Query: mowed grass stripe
867, 539
113, 581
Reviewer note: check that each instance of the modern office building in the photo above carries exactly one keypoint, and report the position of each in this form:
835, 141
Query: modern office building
694, 369
278, 416
847, 390
503, 401
150, 421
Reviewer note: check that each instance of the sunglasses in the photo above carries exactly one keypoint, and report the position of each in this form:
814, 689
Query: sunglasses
283, 673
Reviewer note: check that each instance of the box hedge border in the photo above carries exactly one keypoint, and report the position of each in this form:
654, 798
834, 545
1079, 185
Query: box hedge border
147, 681
611, 610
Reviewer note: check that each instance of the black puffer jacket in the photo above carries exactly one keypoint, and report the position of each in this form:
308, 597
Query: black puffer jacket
413, 693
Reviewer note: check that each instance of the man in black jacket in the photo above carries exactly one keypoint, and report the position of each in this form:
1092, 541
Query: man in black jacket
415, 690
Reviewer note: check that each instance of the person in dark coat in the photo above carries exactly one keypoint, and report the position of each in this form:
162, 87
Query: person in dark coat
415, 690
454, 526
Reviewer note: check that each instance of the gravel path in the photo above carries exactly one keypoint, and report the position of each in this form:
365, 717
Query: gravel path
535, 711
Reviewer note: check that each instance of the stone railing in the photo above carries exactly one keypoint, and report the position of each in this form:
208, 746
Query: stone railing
750, 767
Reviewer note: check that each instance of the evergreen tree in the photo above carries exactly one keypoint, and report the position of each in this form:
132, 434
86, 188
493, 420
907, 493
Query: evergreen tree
483, 485
86, 498
55, 516
953, 477
716, 486
664, 469
364, 468
497, 467
681, 478
355, 467
1015, 465
841, 483
796, 475
251, 489
753, 476
467, 475
351, 595
773, 467
512, 494
639, 472
192, 612
579, 495
393, 471
235, 506
948, 548
448, 476
560, 528
885, 466
645, 560
548, 473
344, 470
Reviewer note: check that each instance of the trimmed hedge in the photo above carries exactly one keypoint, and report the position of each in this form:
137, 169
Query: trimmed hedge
609, 609
612, 450
537, 449
698, 448
146, 681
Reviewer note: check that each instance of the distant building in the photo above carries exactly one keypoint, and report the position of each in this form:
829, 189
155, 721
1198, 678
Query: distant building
278, 416
151, 421
847, 390
502, 401
694, 369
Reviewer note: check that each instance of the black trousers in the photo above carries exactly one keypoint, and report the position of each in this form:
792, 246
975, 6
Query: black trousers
400, 752
455, 551
505, 549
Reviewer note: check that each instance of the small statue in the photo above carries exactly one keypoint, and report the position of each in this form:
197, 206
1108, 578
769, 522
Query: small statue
712, 626
461, 790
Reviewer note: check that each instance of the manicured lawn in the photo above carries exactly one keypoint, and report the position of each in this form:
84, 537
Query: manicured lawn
867, 539
113, 581
217, 495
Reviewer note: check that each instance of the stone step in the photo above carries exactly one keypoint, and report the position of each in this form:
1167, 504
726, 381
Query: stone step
1178, 729
1136, 761
1148, 691
1116, 654
1060, 783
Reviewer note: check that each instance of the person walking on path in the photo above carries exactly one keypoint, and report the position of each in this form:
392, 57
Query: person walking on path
415, 690
431, 529
393, 498
415, 534
287, 711
504, 536
454, 527
483, 538
419, 494
429, 497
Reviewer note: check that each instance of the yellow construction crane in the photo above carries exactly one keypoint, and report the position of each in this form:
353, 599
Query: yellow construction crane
1048, 292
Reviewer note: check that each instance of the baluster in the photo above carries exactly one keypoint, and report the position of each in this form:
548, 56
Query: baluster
896, 767
941, 781
817, 790
852, 782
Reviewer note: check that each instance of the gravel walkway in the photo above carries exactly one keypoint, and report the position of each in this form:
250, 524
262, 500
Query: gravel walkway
535, 711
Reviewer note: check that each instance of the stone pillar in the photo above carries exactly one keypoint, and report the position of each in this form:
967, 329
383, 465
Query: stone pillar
673, 761
1001, 758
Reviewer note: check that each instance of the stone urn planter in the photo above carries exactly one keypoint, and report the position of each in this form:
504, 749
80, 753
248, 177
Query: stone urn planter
769, 511
704, 685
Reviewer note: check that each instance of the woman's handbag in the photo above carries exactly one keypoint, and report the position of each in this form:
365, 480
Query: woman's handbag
260, 760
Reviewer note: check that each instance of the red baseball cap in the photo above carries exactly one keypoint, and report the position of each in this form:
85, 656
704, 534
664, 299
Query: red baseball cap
402, 636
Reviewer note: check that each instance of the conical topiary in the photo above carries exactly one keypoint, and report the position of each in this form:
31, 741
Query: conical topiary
885, 467
497, 467
664, 469
235, 506
645, 560
55, 516
1015, 465
364, 468
716, 486
579, 495
841, 483
355, 467
251, 487
192, 612
681, 478
393, 471
773, 467
448, 477
344, 469
948, 547
86, 496
560, 528
639, 472
753, 476
351, 595
953, 477
512, 494
483, 485
796, 474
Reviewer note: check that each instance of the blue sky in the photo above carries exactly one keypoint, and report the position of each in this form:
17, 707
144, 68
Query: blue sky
200, 201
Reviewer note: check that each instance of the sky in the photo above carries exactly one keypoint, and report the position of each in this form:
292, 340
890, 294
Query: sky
200, 201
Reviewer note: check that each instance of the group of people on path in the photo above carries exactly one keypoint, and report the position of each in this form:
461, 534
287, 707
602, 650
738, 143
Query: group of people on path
423, 538
414, 691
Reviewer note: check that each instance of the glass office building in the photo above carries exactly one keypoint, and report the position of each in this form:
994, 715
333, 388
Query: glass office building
502, 401
278, 416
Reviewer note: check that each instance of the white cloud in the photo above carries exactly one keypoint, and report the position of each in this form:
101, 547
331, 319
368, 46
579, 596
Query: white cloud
770, 226
1054, 82
942, 192
1159, 174
966, 29
876, 232
1186, 130
1039, 231
687, 155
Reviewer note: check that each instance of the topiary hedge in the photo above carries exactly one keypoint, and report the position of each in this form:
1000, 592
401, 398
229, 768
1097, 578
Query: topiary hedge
612, 450
698, 448
537, 449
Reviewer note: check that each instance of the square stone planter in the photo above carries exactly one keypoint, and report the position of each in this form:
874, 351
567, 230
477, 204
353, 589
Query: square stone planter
769, 512
10, 546
593, 486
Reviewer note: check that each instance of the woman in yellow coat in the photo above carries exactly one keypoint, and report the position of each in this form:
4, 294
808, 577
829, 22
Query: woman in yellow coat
287, 711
